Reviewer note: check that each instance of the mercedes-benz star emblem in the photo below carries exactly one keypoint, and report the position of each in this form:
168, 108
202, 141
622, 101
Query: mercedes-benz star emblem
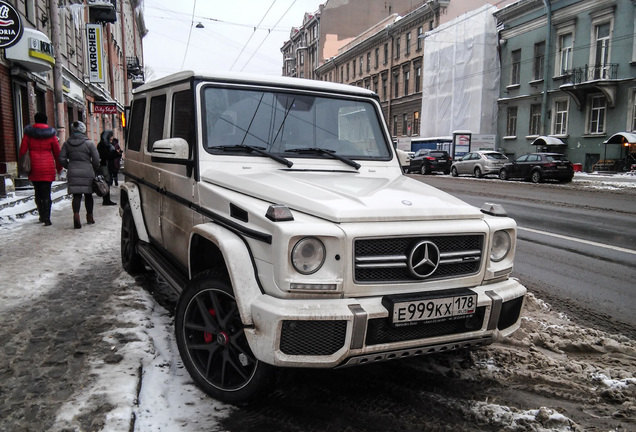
424, 259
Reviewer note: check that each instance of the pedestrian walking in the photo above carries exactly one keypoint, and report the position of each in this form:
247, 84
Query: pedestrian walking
44, 149
105, 149
114, 162
80, 157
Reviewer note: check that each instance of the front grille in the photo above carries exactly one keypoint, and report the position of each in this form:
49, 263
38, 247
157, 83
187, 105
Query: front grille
381, 331
312, 337
387, 259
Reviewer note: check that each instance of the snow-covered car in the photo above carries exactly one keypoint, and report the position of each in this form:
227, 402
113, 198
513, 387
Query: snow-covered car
276, 208
479, 163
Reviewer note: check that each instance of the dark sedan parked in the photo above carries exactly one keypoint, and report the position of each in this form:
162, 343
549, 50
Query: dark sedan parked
426, 161
538, 167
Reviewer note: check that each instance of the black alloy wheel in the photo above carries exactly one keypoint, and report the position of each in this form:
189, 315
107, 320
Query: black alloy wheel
503, 174
131, 261
536, 176
212, 342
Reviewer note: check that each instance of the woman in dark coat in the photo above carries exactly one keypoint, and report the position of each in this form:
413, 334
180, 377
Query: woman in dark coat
40, 140
106, 149
80, 157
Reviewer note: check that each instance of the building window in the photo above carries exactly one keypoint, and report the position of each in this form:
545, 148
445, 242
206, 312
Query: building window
515, 76
341, 74
407, 76
418, 79
511, 122
420, 38
535, 119
416, 123
368, 61
564, 56
408, 43
598, 106
397, 47
539, 60
354, 69
396, 86
395, 125
377, 57
386, 53
560, 118
405, 123
634, 111
361, 65
302, 59
384, 88
601, 51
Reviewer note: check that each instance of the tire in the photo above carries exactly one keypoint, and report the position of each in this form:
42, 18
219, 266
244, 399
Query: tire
503, 174
423, 169
478, 173
212, 343
454, 172
131, 261
406, 170
447, 172
535, 177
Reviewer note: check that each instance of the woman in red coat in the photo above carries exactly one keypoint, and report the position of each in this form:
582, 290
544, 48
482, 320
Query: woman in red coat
44, 149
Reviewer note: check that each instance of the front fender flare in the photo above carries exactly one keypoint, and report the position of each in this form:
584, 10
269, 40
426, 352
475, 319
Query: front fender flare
134, 201
239, 263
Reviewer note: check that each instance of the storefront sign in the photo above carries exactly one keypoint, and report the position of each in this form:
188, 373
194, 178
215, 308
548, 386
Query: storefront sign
41, 49
95, 53
10, 25
104, 108
33, 51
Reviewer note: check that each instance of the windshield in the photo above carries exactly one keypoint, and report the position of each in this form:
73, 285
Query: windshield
283, 123
495, 156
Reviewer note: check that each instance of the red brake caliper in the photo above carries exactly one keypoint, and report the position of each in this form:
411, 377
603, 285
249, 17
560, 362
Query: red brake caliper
209, 337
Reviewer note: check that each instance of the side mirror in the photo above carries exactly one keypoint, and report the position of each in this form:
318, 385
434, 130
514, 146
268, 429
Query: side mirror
171, 150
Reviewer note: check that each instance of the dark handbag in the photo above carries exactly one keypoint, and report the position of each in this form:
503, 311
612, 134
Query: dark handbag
100, 187
24, 163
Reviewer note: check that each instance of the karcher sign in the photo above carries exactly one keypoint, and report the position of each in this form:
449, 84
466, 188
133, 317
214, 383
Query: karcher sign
95, 53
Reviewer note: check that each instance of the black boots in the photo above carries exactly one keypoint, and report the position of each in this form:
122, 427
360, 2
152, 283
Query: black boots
77, 224
107, 201
89, 218
38, 204
45, 214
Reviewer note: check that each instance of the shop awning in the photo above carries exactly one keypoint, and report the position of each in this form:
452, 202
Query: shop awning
548, 141
621, 138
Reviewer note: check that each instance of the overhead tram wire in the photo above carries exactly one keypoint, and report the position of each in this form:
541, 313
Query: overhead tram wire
194, 6
263, 41
252, 35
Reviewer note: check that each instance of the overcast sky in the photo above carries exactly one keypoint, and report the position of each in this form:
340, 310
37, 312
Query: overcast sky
229, 40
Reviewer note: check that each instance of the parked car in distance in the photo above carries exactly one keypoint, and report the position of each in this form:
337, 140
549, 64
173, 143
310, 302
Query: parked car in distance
538, 167
425, 161
479, 163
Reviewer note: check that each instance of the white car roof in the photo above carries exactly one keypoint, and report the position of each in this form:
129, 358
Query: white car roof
243, 78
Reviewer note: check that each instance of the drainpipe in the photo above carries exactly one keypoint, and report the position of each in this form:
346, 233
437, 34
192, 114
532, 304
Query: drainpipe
546, 68
58, 92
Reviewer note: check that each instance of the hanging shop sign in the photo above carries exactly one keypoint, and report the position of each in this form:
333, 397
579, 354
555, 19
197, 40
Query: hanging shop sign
33, 51
10, 25
104, 108
95, 53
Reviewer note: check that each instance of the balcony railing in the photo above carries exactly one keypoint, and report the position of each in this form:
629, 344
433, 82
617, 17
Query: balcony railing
594, 73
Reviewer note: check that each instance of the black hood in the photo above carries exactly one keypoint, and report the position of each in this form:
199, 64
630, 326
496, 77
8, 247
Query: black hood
106, 136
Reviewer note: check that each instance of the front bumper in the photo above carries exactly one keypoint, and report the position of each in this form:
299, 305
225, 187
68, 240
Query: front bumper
344, 332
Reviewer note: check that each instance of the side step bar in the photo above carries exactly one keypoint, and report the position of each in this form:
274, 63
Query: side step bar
163, 267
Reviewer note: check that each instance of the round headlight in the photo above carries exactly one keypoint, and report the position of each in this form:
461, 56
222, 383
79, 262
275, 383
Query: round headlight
501, 244
308, 255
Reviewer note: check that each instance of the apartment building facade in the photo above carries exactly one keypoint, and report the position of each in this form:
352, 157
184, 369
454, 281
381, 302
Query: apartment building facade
568, 78
74, 60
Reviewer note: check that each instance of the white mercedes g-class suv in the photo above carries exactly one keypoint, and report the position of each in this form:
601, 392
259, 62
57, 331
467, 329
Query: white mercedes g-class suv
278, 210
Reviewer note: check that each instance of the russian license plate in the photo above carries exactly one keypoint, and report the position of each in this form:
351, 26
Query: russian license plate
561, 167
435, 308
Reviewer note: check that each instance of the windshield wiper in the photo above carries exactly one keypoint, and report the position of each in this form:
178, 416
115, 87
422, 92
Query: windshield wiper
255, 149
330, 153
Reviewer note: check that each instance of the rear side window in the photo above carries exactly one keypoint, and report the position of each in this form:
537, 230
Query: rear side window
136, 124
183, 116
157, 119
553, 158
495, 156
